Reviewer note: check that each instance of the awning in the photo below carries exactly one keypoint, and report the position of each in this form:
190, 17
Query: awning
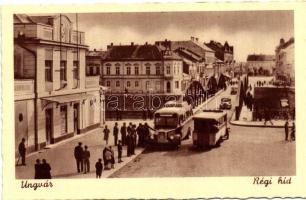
68, 98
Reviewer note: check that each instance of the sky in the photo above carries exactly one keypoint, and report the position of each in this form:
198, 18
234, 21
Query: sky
248, 31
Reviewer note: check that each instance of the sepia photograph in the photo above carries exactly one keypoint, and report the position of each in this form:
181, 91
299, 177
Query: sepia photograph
154, 94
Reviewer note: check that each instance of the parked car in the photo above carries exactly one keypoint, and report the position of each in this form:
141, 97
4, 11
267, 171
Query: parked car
226, 103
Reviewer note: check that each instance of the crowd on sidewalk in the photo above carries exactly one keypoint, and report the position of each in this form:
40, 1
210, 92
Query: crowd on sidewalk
130, 136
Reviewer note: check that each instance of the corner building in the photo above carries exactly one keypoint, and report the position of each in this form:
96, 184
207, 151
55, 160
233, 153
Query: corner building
54, 99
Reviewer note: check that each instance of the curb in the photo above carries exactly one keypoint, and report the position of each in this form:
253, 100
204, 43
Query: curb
118, 168
236, 123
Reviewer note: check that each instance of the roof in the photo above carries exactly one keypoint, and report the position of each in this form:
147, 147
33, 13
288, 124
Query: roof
284, 44
170, 110
260, 57
133, 52
42, 19
194, 47
209, 115
95, 53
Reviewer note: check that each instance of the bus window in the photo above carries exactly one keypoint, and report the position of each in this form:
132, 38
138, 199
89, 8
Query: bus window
165, 122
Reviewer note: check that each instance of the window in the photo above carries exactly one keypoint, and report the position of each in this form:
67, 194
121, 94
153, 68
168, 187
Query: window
148, 70
136, 83
157, 86
63, 119
128, 70
136, 70
168, 69
117, 83
97, 68
147, 85
128, 84
158, 69
48, 70
177, 85
108, 70
75, 69
117, 70
63, 70
108, 83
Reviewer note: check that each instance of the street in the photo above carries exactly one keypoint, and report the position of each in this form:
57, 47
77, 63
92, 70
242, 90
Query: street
235, 157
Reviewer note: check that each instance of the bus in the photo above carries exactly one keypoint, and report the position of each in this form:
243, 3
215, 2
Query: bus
210, 128
171, 126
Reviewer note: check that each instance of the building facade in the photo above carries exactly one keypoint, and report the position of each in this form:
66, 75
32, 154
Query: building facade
142, 69
284, 55
259, 64
54, 99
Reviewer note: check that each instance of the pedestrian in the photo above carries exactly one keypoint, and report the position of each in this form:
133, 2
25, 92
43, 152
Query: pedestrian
106, 134
292, 135
112, 160
123, 134
267, 117
99, 168
146, 132
78, 155
128, 142
134, 139
107, 157
22, 152
119, 151
286, 130
116, 132
45, 170
139, 131
37, 167
86, 156
129, 128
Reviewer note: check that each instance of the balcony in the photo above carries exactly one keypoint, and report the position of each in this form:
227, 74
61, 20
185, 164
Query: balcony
23, 87
34, 31
92, 82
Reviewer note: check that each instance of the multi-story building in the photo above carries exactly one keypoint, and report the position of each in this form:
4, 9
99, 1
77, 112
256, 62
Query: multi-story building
284, 55
142, 69
196, 56
54, 99
225, 55
261, 64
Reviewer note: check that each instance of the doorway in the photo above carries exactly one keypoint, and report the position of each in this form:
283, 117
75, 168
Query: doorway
49, 126
168, 87
76, 108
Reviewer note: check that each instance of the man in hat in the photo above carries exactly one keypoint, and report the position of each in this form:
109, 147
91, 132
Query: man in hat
22, 151
78, 155
86, 156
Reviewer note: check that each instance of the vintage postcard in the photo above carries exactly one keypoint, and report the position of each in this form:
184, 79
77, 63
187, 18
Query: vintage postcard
154, 101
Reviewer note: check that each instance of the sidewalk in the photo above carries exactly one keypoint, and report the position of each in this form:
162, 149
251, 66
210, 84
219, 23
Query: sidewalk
245, 119
64, 166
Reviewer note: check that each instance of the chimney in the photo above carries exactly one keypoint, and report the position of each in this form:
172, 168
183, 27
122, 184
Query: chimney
112, 44
146, 43
132, 43
192, 38
95, 50
197, 39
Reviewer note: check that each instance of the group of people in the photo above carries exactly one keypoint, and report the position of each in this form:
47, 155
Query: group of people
129, 134
82, 158
42, 170
292, 132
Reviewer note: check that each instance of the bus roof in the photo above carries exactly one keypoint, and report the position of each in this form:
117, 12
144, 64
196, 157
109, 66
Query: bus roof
210, 115
170, 110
